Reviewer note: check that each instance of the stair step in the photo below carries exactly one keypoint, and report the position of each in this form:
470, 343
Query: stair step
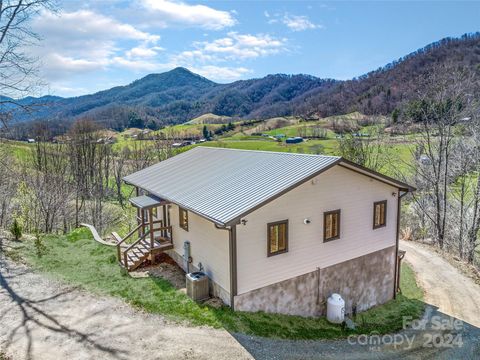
140, 252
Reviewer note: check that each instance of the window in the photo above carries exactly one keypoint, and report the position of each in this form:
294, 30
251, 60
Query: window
331, 225
379, 214
183, 218
277, 237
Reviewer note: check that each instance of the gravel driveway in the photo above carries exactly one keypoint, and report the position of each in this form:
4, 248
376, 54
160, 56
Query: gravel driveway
450, 331
445, 286
43, 319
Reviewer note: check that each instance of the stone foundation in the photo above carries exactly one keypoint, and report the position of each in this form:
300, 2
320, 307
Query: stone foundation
363, 282
215, 289
295, 296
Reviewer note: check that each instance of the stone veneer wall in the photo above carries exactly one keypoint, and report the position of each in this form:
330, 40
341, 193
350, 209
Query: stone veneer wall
215, 289
363, 282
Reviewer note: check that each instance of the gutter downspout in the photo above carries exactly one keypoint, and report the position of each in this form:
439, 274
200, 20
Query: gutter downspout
232, 247
395, 277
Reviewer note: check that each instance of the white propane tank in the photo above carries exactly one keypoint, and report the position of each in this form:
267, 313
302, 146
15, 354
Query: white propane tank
335, 309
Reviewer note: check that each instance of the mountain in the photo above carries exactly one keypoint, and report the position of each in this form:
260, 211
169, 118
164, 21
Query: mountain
383, 90
179, 95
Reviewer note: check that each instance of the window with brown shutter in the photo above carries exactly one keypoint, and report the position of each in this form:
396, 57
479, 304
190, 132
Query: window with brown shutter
331, 225
379, 214
277, 233
183, 218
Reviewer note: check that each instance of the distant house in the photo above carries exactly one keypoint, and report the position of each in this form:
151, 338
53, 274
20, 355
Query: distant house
274, 232
31, 141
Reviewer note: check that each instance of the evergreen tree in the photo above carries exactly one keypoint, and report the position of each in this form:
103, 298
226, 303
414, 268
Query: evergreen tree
16, 230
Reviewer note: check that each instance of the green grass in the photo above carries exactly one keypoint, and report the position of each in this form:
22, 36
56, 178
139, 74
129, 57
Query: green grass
80, 261
327, 147
21, 151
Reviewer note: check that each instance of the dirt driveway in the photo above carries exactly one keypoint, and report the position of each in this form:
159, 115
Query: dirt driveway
43, 319
449, 330
445, 286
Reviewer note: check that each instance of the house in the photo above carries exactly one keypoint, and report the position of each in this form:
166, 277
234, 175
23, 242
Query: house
274, 232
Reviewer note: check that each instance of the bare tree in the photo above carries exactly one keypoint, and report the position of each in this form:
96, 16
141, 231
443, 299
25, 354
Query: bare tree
371, 151
50, 186
444, 103
8, 183
91, 166
18, 70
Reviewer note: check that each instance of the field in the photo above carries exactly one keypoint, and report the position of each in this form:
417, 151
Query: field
260, 136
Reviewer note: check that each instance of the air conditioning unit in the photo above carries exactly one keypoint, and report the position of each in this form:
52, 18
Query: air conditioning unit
197, 286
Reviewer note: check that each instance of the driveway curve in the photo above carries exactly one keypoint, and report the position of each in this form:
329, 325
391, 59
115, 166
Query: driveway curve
44, 319
448, 330
445, 286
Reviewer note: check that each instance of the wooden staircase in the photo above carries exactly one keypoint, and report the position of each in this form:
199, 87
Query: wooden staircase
132, 255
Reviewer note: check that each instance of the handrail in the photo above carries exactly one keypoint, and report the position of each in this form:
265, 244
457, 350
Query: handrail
123, 240
130, 234
131, 246
125, 258
164, 228
136, 242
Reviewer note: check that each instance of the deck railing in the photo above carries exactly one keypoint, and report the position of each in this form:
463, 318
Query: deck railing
165, 234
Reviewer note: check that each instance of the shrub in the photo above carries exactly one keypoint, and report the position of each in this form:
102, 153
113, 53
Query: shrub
16, 230
40, 247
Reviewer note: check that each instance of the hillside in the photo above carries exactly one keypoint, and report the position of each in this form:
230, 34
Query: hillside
210, 119
179, 95
382, 90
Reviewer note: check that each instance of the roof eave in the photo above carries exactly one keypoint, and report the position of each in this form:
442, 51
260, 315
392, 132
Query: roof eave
379, 176
215, 221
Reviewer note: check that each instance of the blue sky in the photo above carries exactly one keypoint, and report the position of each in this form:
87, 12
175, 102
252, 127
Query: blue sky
94, 45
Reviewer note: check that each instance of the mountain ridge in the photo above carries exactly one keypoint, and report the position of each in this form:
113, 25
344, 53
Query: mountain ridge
179, 95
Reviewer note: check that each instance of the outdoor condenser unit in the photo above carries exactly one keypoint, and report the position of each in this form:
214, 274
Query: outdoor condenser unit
197, 286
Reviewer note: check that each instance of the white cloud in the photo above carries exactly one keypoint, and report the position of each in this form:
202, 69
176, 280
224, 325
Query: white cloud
293, 22
234, 47
82, 49
177, 12
221, 73
84, 41
299, 23
208, 58
143, 51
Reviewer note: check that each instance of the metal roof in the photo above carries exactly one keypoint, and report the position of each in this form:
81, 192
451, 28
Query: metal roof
224, 184
146, 201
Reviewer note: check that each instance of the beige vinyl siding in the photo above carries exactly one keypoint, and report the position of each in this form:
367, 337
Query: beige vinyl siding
208, 245
337, 188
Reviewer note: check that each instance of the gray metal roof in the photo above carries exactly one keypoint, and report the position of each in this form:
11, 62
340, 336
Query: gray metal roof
225, 184
146, 201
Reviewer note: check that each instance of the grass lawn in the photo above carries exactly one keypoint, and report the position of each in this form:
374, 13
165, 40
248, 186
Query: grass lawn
326, 147
79, 260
